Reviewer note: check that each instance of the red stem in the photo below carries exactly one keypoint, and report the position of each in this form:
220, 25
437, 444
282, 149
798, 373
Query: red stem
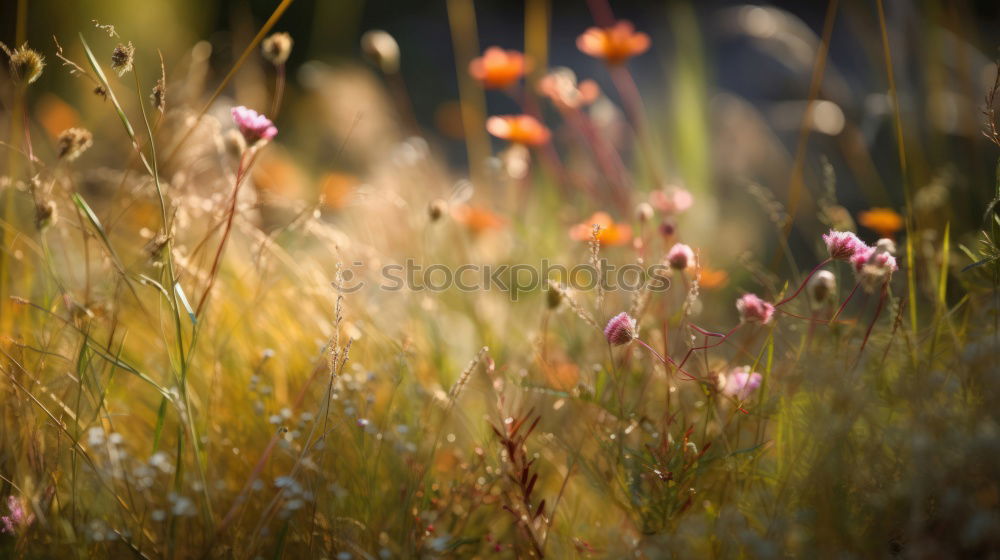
804, 282
667, 360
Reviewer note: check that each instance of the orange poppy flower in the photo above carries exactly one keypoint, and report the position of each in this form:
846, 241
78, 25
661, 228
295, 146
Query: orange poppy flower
497, 68
477, 218
884, 221
337, 189
712, 278
520, 129
611, 234
614, 44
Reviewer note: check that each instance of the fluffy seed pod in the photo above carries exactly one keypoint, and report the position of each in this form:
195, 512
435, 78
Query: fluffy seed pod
73, 142
276, 48
122, 58
25, 64
381, 49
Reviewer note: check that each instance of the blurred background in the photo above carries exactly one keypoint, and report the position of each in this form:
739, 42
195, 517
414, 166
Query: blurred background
726, 86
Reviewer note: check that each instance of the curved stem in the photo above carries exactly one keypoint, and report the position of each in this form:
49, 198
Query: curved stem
804, 282
722, 338
666, 360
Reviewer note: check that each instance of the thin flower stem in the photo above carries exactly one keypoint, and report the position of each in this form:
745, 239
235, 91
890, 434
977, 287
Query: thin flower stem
804, 282
878, 311
722, 338
844, 305
667, 360
279, 91
241, 175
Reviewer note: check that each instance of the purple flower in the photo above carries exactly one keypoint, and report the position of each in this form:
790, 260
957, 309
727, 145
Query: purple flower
680, 256
842, 244
754, 310
253, 126
740, 382
621, 329
16, 518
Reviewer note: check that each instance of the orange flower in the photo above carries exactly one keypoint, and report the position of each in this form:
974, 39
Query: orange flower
614, 44
712, 278
884, 221
497, 68
337, 189
520, 129
611, 233
477, 218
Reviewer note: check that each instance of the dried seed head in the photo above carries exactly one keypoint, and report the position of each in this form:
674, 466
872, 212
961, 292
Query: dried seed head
436, 209
122, 58
159, 96
381, 49
277, 47
45, 214
73, 142
25, 64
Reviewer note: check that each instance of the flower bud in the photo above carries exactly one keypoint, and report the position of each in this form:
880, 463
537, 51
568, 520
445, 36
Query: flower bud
621, 329
680, 257
644, 212
821, 286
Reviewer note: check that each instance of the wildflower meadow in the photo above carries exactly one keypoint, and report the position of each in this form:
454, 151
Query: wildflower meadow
484, 279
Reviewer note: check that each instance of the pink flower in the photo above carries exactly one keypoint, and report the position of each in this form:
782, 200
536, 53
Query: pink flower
17, 517
740, 382
252, 125
680, 256
754, 310
671, 200
621, 329
874, 266
843, 245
